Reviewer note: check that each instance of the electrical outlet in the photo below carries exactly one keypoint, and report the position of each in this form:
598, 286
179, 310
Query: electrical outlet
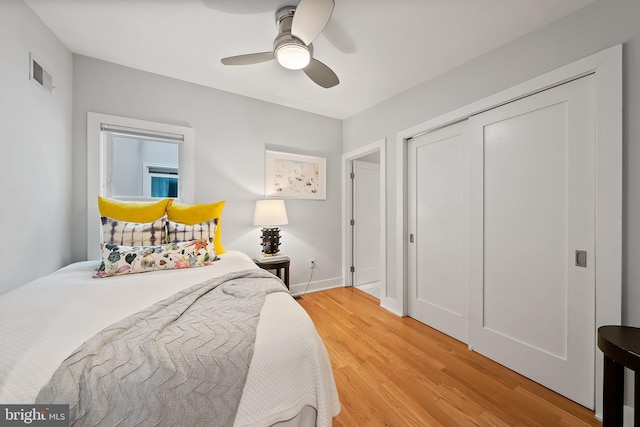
312, 263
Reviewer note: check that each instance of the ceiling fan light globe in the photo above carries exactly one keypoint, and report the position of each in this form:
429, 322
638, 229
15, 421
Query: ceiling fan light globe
293, 56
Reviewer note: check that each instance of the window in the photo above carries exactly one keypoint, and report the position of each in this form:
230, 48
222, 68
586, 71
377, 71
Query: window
131, 159
141, 163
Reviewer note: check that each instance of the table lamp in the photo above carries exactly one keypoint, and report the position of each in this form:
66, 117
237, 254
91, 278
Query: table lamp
269, 214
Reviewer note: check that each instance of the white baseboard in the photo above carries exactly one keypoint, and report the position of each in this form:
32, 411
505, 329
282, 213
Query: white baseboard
320, 285
390, 305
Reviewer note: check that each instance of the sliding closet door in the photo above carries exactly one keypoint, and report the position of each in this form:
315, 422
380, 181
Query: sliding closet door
438, 217
532, 283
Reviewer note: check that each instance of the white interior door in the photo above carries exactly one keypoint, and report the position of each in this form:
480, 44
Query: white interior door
532, 308
438, 226
366, 215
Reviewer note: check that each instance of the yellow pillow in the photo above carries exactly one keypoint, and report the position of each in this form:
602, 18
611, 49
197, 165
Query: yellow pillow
133, 211
196, 214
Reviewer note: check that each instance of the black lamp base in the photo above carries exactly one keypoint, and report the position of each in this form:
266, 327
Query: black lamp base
270, 241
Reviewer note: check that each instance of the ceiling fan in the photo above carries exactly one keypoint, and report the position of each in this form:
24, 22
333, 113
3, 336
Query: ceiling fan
297, 26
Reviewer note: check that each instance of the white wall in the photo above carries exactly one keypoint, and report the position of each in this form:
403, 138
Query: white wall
598, 26
231, 133
35, 164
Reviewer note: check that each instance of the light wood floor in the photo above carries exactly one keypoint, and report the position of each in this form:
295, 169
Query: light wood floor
393, 371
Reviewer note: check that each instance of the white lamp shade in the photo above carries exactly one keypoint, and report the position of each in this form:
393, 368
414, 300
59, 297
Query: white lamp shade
270, 213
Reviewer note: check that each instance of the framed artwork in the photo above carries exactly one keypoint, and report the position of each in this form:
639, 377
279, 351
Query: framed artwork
293, 176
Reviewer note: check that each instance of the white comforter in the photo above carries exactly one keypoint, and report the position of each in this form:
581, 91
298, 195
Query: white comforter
42, 322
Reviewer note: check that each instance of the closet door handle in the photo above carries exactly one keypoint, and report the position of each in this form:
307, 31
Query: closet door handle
581, 258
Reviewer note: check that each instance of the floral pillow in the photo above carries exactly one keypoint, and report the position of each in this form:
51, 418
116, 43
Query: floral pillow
125, 233
117, 260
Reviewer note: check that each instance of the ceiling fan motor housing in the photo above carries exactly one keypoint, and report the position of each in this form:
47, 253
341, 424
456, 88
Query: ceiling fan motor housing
282, 14
284, 40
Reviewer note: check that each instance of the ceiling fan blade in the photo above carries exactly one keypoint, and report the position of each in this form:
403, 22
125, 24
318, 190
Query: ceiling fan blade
310, 18
250, 58
321, 74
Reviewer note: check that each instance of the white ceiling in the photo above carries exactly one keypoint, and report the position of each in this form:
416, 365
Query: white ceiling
378, 48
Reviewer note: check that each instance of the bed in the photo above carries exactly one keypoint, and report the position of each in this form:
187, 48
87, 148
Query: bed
289, 380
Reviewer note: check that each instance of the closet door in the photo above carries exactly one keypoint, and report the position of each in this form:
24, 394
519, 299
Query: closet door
438, 217
532, 283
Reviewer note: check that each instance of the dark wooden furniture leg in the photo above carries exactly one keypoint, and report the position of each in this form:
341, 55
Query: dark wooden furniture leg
613, 393
278, 266
636, 401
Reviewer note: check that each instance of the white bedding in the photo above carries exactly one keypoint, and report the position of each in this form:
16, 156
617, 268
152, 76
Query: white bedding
42, 322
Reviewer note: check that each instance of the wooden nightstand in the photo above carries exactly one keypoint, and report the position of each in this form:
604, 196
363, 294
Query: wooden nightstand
621, 346
278, 265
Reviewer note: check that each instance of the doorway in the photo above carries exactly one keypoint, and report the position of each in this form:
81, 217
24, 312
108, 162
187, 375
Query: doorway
365, 223
364, 219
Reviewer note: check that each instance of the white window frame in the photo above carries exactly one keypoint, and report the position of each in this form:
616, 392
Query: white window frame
96, 155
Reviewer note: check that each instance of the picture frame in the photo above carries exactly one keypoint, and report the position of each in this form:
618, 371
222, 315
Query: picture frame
294, 176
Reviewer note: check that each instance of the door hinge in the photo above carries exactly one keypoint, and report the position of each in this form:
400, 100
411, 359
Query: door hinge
353, 269
352, 222
353, 175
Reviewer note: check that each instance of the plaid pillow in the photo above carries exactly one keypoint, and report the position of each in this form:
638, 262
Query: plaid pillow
133, 233
177, 232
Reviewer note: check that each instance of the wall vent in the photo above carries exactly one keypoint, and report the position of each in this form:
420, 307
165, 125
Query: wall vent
39, 75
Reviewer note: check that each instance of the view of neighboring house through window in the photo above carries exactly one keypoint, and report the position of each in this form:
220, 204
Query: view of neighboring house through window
141, 163
162, 181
